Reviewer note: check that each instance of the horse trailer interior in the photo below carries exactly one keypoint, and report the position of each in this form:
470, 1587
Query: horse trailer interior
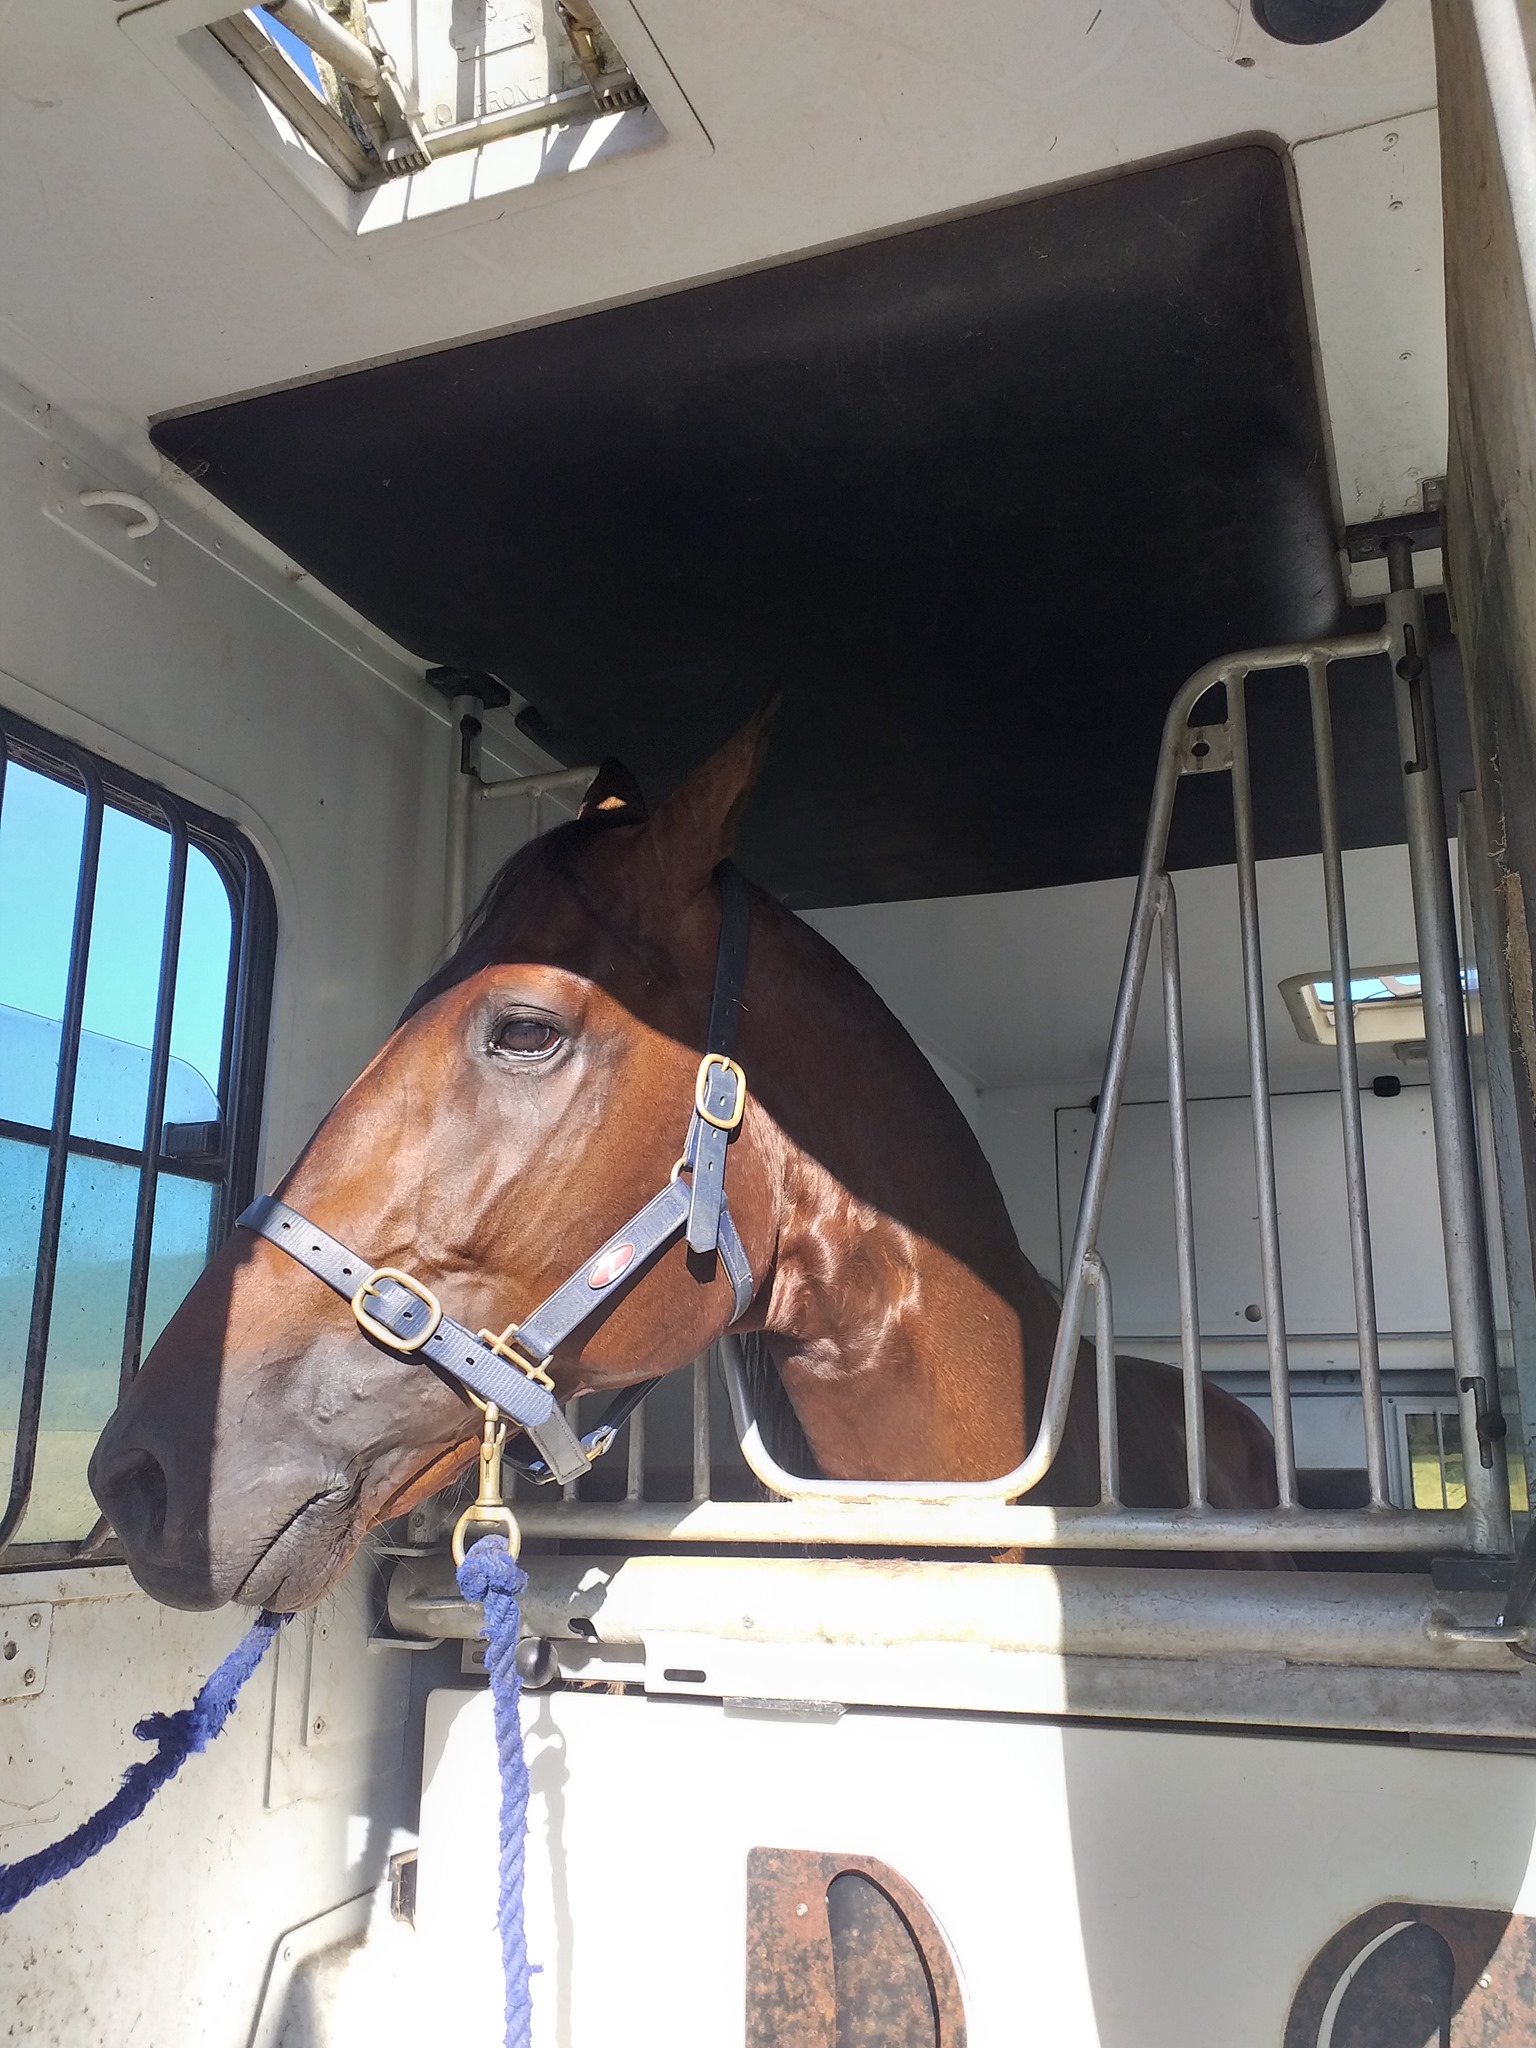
1076, 461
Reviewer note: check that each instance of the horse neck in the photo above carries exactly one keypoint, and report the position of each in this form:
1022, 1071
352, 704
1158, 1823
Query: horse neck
911, 1333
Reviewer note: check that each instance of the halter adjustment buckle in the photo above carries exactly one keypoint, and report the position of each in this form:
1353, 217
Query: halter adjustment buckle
525, 1365
720, 1120
382, 1331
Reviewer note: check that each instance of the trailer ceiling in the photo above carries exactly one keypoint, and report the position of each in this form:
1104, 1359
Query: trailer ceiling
977, 496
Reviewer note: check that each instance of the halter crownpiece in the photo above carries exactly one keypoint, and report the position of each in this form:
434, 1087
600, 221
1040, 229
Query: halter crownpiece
401, 1314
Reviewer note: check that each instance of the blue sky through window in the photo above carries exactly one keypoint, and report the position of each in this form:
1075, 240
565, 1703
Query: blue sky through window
41, 823
302, 56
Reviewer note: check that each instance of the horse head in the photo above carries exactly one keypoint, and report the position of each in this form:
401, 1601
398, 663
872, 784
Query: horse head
534, 1098
535, 1094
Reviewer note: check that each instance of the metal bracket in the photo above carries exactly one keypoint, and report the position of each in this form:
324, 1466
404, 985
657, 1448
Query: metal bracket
469, 682
25, 1633
1207, 750
1422, 530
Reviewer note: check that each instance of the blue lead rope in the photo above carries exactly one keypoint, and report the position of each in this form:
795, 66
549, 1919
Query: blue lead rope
492, 1578
177, 1737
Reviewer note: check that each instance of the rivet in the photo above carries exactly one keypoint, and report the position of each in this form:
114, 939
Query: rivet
1388, 140
29, 1676
1406, 356
319, 1725
801, 1911
34, 1621
1485, 1981
1394, 206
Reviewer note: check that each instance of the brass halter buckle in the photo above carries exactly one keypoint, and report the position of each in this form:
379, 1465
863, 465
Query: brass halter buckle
701, 1091
488, 1510
375, 1328
504, 1348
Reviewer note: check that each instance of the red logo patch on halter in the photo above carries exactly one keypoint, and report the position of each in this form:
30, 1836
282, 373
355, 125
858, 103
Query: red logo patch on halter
606, 1270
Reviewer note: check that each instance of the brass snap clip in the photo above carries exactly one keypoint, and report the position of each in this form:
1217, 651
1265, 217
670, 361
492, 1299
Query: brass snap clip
488, 1509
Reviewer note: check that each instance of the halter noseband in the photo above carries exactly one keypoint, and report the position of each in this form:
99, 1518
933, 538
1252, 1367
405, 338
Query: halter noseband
403, 1315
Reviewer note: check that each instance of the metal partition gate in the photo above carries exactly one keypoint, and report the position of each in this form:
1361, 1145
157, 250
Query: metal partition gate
918, 1514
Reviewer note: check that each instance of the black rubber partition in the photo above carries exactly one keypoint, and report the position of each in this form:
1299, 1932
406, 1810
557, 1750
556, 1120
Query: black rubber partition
978, 496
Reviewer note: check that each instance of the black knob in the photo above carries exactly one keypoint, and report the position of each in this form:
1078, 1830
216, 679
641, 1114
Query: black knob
537, 1665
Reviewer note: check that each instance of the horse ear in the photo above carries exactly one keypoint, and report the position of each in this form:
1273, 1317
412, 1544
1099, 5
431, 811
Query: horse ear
696, 827
614, 795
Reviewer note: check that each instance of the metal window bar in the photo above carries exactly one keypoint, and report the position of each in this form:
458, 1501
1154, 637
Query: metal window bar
154, 1112
937, 1513
1361, 1272
1271, 1283
239, 1082
30, 1407
1183, 1205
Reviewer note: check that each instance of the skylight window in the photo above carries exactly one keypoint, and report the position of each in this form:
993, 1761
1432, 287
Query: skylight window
389, 111
385, 91
1387, 1004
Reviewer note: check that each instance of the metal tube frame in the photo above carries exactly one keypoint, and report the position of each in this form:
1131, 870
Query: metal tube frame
1362, 1273
1450, 1082
1183, 1202
939, 1514
466, 787
1271, 1280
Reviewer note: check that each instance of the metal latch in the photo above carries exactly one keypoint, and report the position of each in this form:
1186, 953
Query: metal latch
25, 1633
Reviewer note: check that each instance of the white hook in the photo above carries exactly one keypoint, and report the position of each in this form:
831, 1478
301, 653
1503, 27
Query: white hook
145, 523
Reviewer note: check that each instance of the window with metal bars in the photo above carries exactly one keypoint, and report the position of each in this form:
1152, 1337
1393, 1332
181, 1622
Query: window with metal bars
136, 943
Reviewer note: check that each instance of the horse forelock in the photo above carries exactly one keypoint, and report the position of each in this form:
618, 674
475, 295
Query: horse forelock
520, 880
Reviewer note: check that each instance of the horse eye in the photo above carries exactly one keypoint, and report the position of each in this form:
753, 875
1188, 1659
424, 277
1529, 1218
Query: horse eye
524, 1038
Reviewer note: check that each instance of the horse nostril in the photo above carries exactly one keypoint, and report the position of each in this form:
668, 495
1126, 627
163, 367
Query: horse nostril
135, 1496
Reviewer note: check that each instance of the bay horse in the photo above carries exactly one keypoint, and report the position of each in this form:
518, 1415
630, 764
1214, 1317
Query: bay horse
534, 1095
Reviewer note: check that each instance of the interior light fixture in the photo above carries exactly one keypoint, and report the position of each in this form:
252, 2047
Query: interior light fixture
1313, 21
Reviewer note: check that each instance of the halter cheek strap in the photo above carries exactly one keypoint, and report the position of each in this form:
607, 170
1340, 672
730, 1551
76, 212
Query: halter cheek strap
399, 1312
